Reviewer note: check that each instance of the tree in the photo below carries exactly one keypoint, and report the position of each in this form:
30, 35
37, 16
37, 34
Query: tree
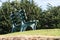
32, 11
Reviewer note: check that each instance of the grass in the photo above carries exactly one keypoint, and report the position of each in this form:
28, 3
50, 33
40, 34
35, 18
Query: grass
47, 32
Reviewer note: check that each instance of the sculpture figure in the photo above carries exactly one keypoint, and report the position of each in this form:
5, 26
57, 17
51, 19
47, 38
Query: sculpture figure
24, 24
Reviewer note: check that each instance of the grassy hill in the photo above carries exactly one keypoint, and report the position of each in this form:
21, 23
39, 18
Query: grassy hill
48, 32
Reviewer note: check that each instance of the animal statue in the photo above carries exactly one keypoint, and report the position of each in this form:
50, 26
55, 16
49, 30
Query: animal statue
21, 13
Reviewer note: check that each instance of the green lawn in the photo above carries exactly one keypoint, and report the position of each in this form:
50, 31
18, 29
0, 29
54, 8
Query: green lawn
48, 32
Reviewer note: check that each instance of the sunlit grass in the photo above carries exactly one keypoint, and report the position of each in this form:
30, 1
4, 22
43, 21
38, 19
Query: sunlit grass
48, 32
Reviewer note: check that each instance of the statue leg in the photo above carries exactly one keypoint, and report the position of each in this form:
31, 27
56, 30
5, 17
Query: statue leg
22, 28
25, 27
13, 28
33, 26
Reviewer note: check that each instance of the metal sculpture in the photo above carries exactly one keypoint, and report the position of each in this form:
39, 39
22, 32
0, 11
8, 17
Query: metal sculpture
24, 24
12, 16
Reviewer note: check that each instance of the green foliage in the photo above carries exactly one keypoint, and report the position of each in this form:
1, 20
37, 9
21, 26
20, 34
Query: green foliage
50, 18
31, 10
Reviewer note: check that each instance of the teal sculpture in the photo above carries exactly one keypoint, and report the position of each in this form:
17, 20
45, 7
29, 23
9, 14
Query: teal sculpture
22, 16
12, 16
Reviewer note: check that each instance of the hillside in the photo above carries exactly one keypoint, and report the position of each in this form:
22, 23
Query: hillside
47, 32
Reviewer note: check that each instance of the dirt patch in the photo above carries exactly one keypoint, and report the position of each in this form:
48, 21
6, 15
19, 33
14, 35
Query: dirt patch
30, 37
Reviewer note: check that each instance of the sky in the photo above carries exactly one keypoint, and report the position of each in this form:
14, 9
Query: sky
43, 3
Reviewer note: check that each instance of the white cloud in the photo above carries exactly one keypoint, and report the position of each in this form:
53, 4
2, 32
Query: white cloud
44, 3
0, 3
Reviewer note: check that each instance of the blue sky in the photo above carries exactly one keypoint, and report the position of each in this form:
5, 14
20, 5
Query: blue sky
44, 3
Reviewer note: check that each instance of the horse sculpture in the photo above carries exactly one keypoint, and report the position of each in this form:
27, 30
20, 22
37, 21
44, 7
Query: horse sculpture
24, 24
